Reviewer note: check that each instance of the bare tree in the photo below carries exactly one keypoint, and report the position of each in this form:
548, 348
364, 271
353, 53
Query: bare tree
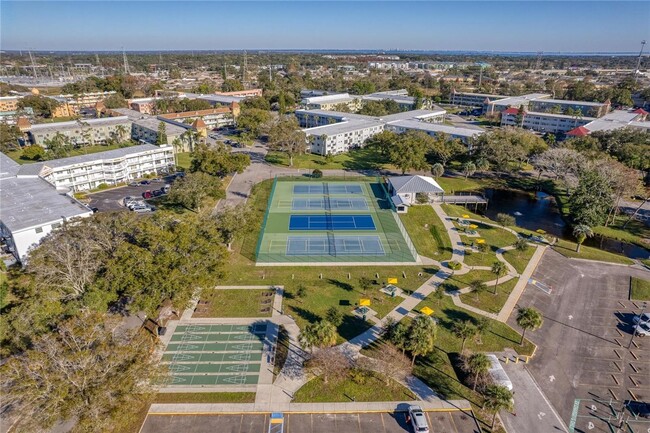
328, 363
389, 361
562, 163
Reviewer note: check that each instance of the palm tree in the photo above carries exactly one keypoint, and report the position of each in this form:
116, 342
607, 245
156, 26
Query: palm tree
437, 170
528, 318
464, 330
469, 168
498, 269
121, 131
581, 233
308, 337
478, 364
497, 398
326, 333
478, 287
421, 337
482, 325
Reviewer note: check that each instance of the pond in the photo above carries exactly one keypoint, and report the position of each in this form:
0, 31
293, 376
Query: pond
539, 211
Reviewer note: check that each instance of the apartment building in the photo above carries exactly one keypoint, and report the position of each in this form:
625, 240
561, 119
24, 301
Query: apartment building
341, 136
331, 102
500, 105
250, 93
401, 97
89, 131
143, 105
213, 118
434, 129
469, 99
84, 172
542, 122
31, 209
588, 109
145, 130
9, 103
617, 119
71, 105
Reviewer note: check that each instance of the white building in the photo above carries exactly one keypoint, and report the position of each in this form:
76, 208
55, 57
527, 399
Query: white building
342, 136
543, 122
31, 209
433, 129
87, 131
401, 97
404, 190
331, 102
617, 119
84, 172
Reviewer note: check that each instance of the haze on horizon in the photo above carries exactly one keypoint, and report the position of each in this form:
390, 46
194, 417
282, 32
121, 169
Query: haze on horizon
525, 26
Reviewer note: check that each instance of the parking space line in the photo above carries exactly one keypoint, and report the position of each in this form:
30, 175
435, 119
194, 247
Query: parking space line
241, 423
383, 424
453, 422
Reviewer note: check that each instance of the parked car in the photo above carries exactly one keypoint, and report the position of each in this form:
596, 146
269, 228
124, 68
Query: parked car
644, 318
127, 199
147, 194
142, 209
134, 184
165, 189
145, 182
135, 203
642, 329
94, 209
418, 420
638, 408
157, 192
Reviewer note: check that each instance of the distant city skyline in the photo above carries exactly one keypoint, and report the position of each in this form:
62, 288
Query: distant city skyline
507, 26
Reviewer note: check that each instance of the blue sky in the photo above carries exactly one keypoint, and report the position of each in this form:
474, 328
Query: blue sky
549, 26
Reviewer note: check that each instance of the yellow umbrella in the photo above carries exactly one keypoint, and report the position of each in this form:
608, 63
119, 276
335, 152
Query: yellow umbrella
465, 216
540, 231
392, 281
426, 311
480, 241
473, 226
364, 302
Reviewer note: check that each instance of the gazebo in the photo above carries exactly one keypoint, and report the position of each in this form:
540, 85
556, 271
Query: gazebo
404, 189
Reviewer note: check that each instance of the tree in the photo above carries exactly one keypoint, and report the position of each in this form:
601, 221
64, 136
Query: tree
161, 137
218, 160
421, 337
482, 326
469, 168
464, 330
286, 137
116, 101
398, 334
33, 153
366, 284
521, 245
9, 135
383, 142
478, 364
591, 200
233, 222
499, 269
254, 120
478, 287
391, 362
191, 190
329, 363
231, 85
528, 318
497, 398
505, 147
334, 316
581, 232
85, 369
409, 151
437, 170
563, 163
42, 106
506, 219
319, 334
438, 295
443, 148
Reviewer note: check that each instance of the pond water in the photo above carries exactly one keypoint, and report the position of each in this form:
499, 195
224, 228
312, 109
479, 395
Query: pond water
539, 211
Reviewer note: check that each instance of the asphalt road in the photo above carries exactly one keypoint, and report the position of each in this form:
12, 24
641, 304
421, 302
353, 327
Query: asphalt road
111, 200
582, 361
447, 422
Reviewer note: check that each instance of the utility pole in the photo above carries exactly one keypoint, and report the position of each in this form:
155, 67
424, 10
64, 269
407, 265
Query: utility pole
638, 62
480, 78
126, 62
33, 64
243, 75
538, 64
270, 74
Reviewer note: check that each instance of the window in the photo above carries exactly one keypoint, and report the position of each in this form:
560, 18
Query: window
39, 229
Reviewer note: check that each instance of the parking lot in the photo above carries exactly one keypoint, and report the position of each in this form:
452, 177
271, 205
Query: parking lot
439, 422
111, 200
583, 363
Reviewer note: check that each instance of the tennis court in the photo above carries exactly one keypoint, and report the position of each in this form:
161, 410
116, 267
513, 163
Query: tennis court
339, 221
334, 245
335, 203
211, 355
331, 222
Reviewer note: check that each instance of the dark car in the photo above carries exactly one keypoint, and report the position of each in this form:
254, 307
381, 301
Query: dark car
145, 182
639, 409
94, 209
156, 193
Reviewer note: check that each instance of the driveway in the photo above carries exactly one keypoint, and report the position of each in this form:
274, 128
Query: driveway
582, 360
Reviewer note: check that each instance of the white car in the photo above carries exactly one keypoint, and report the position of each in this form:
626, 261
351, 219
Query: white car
418, 420
644, 318
642, 329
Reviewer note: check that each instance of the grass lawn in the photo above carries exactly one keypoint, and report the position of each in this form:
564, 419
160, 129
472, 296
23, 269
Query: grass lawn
456, 211
431, 241
357, 159
455, 184
205, 397
568, 249
344, 389
235, 303
636, 232
457, 282
639, 289
16, 154
519, 259
183, 160
281, 350
488, 301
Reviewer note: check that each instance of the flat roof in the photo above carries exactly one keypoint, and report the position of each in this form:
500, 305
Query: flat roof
553, 115
483, 95
437, 127
382, 96
339, 114
152, 123
569, 102
616, 119
519, 100
53, 127
32, 202
328, 98
414, 114
35, 169
222, 99
131, 114
342, 127
8, 167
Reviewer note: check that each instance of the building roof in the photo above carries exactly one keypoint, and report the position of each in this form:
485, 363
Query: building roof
335, 114
152, 124
580, 131
568, 102
32, 202
342, 127
63, 126
328, 99
197, 113
511, 110
131, 114
640, 111
438, 128
616, 119
487, 95
414, 114
198, 123
516, 101
414, 184
36, 168
220, 99
8, 167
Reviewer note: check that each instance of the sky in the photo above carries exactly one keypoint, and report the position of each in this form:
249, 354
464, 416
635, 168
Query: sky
549, 26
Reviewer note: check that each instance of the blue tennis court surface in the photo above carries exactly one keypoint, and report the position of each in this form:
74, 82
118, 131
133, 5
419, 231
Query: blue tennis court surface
335, 203
334, 246
331, 222
325, 188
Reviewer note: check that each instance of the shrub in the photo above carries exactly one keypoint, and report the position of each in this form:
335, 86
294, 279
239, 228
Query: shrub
506, 220
317, 174
102, 186
422, 198
482, 248
33, 153
454, 265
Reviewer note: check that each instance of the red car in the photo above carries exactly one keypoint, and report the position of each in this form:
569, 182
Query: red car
146, 194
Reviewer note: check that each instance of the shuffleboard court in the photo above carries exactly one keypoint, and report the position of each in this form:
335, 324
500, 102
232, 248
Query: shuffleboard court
255, 329
239, 379
331, 222
212, 357
214, 347
179, 368
334, 245
328, 188
331, 203
214, 337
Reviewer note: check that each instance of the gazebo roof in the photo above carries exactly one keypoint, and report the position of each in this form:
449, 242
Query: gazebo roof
414, 184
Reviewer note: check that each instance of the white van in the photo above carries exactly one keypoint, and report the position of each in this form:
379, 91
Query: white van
498, 374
